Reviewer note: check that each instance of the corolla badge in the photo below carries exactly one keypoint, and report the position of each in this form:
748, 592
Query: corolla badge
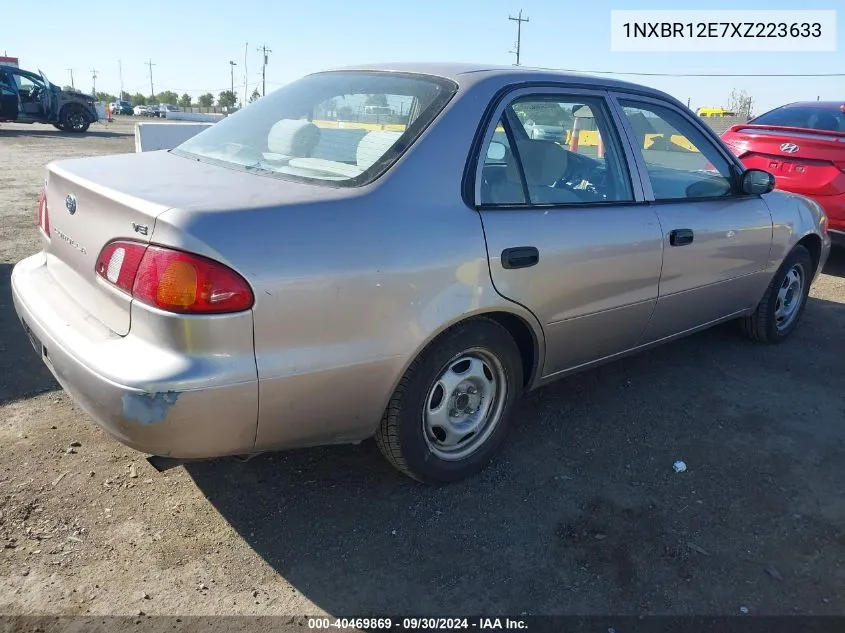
789, 148
70, 203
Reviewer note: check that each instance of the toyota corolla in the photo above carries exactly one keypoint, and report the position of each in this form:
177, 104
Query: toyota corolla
306, 272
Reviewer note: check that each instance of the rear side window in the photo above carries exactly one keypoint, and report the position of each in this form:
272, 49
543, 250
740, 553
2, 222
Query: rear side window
807, 117
559, 151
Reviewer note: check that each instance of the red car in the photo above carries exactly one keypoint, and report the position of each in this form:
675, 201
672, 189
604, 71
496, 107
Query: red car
803, 145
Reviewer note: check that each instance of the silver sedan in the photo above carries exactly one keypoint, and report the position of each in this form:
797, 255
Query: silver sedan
389, 252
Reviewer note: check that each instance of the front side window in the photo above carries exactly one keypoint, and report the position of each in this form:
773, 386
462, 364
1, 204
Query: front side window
340, 128
560, 151
27, 85
682, 162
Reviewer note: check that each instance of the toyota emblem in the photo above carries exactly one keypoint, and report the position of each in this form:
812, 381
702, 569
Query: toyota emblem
789, 148
70, 203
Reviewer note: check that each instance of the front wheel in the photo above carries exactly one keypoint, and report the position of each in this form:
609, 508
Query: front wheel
779, 311
451, 410
73, 119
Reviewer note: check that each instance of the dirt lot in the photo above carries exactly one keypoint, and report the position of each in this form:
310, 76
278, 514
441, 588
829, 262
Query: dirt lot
582, 514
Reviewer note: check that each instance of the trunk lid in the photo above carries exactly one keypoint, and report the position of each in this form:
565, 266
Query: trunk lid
804, 161
120, 197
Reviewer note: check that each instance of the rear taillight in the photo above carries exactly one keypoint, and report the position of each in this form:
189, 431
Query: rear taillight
43, 214
173, 280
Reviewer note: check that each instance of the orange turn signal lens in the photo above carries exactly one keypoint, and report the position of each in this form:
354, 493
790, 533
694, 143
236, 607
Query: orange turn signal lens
178, 285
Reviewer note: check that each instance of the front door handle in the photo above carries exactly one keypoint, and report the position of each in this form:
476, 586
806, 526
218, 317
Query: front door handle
681, 237
520, 257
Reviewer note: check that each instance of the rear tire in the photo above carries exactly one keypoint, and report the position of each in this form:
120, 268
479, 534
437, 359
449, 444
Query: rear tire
73, 119
778, 313
451, 411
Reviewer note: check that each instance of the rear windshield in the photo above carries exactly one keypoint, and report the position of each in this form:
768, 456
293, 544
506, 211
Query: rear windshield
808, 117
335, 128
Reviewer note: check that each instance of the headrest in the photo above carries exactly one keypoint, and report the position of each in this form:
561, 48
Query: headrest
373, 146
292, 137
825, 121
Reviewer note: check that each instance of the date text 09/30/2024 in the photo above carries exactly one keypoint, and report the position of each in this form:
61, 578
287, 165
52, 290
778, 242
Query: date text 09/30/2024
411, 624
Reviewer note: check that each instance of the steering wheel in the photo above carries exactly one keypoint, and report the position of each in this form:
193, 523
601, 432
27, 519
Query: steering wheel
584, 177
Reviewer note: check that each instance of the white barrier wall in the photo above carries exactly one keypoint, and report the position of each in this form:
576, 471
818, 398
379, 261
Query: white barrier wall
195, 116
150, 137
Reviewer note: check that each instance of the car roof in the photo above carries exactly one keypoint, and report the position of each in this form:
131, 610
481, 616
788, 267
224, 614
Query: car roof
824, 105
466, 74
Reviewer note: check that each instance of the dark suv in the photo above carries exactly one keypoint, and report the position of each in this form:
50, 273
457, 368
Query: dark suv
26, 97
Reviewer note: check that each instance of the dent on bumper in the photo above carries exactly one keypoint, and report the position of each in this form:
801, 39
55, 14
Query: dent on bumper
160, 419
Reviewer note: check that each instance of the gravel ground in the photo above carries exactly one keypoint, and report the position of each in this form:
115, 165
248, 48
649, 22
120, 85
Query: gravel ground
582, 514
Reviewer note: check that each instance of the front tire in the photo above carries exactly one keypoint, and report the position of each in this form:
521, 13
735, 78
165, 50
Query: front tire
451, 411
778, 313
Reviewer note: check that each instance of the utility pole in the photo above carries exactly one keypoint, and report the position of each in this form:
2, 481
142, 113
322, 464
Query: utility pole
150, 63
519, 20
246, 75
232, 70
266, 51
93, 82
120, 70
71, 78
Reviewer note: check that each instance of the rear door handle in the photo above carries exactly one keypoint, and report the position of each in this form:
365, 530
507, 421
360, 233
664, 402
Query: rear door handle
520, 257
681, 237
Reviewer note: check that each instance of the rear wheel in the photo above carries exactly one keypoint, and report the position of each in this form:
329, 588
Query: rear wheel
73, 119
778, 313
451, 410
58, 126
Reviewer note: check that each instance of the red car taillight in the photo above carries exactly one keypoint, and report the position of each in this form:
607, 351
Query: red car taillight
43, 214
173, 280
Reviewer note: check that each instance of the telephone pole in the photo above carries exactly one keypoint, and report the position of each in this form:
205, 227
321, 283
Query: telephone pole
266, 51
93, 82
120, 70
232, 70
150, 63
70, 70
519, 20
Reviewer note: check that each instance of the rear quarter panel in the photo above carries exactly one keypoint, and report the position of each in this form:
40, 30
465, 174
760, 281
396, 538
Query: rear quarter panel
350, 289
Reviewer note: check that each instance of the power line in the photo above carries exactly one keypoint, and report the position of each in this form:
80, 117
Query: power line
640, 74
150, 63
519, 20
266, 51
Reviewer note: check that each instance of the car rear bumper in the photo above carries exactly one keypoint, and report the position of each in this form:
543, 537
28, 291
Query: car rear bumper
170, 416
837, 237
834, 208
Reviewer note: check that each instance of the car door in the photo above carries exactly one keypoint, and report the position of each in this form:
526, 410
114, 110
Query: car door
716, 239
569, 234
49, 99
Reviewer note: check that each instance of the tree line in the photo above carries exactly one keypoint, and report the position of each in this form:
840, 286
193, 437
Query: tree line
226, 99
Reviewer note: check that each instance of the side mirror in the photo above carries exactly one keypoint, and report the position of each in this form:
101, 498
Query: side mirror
757, 182
496, 151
